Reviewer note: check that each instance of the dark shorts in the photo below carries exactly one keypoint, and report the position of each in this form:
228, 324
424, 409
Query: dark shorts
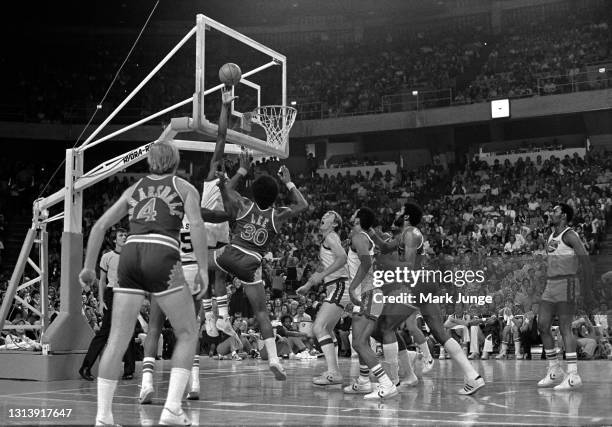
336, 290
246, 266
147, 267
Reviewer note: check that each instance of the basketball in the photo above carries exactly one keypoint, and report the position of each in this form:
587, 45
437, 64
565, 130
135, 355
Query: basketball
230, 74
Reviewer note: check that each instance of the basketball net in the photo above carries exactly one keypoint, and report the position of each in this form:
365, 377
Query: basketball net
277, 121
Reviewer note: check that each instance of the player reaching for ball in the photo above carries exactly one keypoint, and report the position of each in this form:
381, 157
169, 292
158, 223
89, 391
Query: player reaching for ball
257, 222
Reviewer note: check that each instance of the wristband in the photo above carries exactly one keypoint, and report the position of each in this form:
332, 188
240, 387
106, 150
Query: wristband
290, 186
242, 171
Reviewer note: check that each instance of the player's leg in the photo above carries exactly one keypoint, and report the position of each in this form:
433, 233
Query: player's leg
572, 380
207, 299
555, 372
195, 286
125, 313
388, 323
156, 322
177, 304
323, 329
372, 305
257, 297
421, 342
433, 317
406, 367
364, 326
100, 338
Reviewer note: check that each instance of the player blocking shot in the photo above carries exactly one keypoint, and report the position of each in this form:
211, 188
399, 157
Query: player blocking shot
257, 222
150, 265
334, 277
565, 254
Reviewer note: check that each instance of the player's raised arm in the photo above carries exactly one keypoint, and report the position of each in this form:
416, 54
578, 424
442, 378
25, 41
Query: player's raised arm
191, 198
226, 100
299, 202
112, 216
362, 246
233, 203
244, 158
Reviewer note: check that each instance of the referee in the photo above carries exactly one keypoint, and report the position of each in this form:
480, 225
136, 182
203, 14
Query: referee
108, 273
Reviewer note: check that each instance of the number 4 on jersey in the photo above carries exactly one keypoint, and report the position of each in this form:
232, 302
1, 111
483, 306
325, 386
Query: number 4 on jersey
148, 212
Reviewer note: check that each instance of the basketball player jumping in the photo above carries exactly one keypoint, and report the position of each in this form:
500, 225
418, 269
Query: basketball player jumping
257, 223
334, 276
409, 246
565, 254
150, 264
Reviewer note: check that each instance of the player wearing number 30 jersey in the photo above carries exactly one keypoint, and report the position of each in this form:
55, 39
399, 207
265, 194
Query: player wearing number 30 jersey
256, 226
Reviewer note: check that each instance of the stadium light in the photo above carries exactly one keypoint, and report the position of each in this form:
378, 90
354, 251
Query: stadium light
602, 70
415, 92
294, 103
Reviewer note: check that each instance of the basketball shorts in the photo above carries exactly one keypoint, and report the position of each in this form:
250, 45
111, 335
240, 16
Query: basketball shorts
150, 264
562, 289
423, 288
337, 292
190, 271
376, 304
243, 264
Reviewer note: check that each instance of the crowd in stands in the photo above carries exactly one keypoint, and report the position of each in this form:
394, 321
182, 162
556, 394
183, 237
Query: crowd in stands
479, 217
536, 57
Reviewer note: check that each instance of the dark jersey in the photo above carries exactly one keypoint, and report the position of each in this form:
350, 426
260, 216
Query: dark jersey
255, 229
156, 207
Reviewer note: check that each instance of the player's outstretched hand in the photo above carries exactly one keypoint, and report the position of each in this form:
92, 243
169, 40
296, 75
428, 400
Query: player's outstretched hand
87, 277
226, 96
202, 278
284, 174
245, 159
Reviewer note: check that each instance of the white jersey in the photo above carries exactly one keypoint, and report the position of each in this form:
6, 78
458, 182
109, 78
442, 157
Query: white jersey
187, 254
353, 263
327, 258
188, 259
562, 259
212, 199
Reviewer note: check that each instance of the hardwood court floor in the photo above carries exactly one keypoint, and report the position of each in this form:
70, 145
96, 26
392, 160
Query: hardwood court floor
244, 393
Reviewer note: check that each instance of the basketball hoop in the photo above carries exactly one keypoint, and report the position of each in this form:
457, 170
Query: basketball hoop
277, 121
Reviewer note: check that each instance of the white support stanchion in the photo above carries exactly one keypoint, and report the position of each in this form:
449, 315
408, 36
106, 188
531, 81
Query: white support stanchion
138, 123
140, 86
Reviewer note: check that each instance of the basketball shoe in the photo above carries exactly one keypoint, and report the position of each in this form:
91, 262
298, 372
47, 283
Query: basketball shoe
170, 418
328, 378
554, 374
382, 392
472, 386
358, 387
571, 381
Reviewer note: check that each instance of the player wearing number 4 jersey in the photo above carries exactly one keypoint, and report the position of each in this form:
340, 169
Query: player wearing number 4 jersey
257, 222
150, 264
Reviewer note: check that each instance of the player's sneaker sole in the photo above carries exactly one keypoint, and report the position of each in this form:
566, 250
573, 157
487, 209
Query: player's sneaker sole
379, 394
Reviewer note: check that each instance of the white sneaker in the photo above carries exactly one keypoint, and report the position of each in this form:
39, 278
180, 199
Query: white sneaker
328, 378
278, 371
554, 374
472, 386
209, 324
410, 380
169, 418
358, 387
146, 395
382, 392
571, 381
428, 365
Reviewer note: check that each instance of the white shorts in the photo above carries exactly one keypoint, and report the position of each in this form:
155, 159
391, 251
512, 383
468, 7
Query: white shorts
190, 272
